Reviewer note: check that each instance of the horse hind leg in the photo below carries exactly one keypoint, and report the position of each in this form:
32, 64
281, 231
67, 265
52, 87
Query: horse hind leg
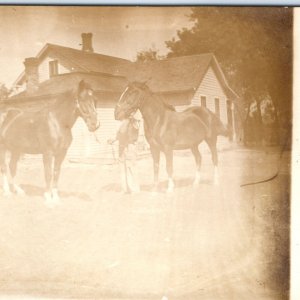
198, 160
13, 171
5, 174
57, 167
214, 154
47, 160
169, 163
155, 152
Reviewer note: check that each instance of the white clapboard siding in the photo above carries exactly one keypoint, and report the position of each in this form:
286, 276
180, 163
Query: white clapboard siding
211, 88
107, 131
80, 144
95, 145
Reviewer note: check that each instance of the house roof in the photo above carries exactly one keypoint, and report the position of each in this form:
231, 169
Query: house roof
178, 74
172, 75
83, 61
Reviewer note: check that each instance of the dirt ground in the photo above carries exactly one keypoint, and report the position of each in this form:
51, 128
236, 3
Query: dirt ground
209, 243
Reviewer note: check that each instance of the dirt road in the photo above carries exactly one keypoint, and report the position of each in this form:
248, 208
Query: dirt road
226, 242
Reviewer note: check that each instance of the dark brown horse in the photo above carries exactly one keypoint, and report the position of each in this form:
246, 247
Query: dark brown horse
167, 130
46, 132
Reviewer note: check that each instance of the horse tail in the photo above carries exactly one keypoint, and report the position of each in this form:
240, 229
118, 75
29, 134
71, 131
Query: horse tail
220, 127
211, 122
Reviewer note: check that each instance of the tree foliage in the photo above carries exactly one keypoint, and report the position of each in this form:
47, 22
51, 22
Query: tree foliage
253, 46
148, 55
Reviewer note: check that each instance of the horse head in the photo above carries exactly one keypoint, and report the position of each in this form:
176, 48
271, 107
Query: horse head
85, 105
131, 100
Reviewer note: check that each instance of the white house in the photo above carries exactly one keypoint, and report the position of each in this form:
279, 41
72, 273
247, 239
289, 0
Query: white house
182, 81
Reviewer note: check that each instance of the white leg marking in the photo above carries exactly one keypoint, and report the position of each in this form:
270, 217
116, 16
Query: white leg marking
171, 185
216, 176
55, 197
48, 199
19, 191
197, 178
6, 189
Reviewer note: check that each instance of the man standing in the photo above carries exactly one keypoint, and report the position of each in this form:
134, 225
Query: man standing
127, 136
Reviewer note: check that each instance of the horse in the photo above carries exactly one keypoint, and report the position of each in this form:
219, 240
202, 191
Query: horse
167, 130
47, 132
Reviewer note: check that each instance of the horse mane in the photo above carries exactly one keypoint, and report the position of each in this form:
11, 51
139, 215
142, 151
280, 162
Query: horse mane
165, 104
159, 98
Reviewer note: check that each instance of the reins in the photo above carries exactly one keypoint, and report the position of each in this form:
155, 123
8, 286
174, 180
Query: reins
277, 171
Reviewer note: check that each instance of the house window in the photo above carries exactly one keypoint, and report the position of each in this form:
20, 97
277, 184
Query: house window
53, 68
203, 101
217, 106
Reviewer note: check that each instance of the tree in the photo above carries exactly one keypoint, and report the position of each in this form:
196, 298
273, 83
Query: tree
253, 46
148, 55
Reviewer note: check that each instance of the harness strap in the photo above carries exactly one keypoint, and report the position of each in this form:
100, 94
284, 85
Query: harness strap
83, 114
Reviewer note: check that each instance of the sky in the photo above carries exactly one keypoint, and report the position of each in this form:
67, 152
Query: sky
117, 31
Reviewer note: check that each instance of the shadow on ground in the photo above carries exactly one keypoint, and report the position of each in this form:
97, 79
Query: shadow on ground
34, 191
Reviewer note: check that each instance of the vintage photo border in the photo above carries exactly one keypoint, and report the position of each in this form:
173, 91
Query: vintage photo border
295, 167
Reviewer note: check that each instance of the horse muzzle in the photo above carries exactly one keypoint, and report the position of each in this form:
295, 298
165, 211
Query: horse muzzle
93, 126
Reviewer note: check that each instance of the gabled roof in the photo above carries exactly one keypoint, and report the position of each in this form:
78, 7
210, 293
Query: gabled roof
83, 61
178, 74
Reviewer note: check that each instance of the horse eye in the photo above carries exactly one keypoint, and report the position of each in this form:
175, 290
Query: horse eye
90, 93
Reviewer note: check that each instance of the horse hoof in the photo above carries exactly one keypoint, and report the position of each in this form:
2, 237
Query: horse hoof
48, 200
196, 183
55, 197
7, 194
170, 190
19, 191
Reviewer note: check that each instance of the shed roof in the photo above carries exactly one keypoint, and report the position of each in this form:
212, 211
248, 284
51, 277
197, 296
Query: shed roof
64, 82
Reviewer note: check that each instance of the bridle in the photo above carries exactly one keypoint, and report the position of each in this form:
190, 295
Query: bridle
81, 112
139, 101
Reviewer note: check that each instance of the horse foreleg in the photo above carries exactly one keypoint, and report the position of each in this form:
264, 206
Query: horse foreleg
47, 160
169, 163
214, 155
198, 159
59, 158
4, 171
155, 152
13, 171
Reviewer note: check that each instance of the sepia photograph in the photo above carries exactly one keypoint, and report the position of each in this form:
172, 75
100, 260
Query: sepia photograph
145, 152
